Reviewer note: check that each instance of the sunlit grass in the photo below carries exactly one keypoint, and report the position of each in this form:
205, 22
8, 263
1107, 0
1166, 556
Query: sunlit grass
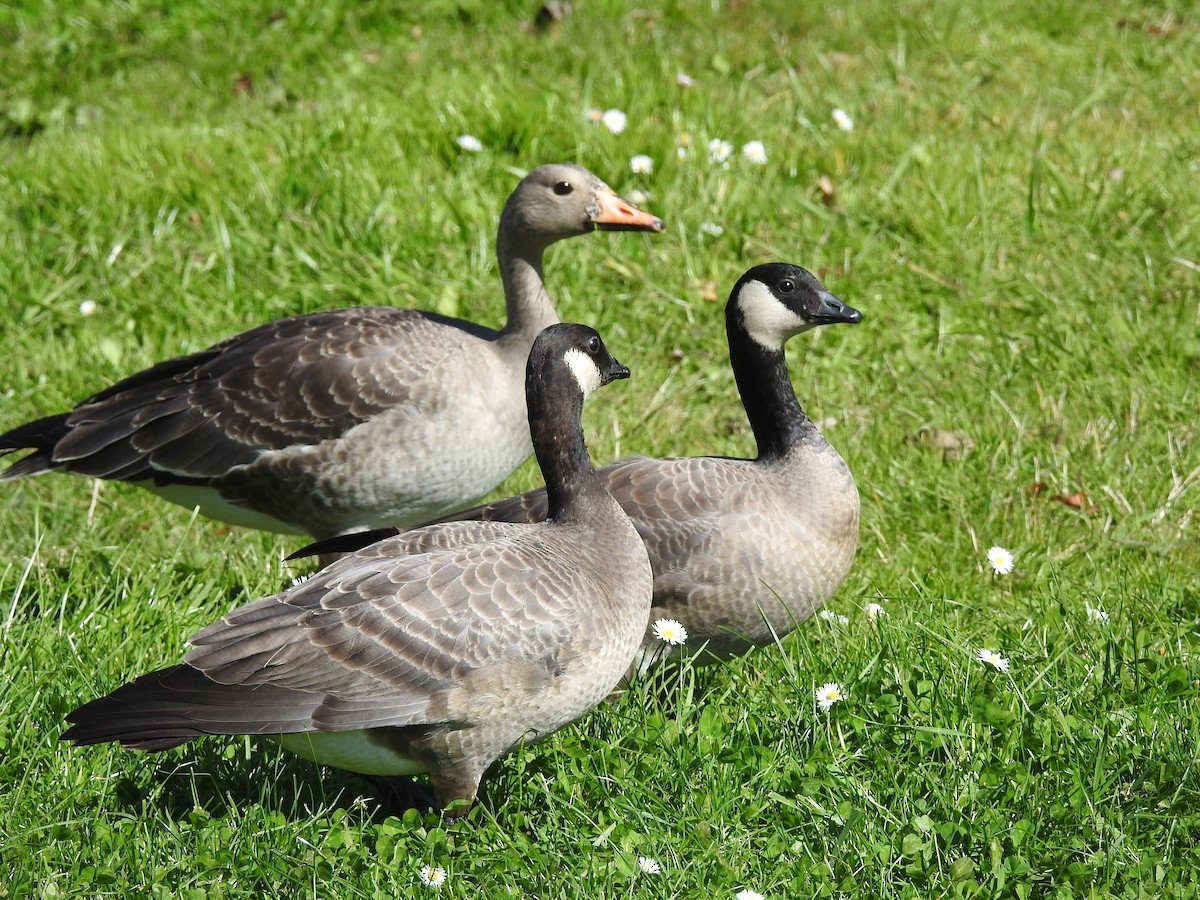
1015, 211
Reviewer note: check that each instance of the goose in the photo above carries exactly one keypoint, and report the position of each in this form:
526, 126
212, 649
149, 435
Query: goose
743, 550
438, 650
332, 422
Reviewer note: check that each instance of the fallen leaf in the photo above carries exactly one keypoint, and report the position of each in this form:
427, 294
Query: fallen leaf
706, 288
1079, 500
551, 13
953, 444
827, 190
243, 84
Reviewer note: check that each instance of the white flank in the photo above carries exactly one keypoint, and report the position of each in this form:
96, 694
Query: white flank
349, 750
768, 322
587, 374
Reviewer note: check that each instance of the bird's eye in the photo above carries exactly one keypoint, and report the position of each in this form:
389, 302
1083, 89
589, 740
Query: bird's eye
593, 344
563, 188
787, 286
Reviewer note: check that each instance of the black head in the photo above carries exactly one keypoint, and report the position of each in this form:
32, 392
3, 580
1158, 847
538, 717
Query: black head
776, 301
579, 351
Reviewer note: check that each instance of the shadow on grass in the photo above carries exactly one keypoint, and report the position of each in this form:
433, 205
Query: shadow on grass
219, 777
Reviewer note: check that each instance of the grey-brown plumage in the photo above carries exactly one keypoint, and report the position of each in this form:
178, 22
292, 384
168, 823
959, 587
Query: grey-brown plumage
332, 422
742, 549
438, 650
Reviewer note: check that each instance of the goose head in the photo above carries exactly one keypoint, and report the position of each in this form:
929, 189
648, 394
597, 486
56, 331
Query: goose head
560, 200
579, 351
776, 301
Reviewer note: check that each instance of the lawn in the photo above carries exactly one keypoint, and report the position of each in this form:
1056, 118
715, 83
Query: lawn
1011, 195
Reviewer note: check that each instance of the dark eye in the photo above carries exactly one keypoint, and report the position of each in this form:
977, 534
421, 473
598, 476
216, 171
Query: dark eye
593, 344
563, 188
787, 286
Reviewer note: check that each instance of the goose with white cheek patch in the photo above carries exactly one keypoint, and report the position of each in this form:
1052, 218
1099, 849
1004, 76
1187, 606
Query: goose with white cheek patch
743, 550
334, 422
438, 650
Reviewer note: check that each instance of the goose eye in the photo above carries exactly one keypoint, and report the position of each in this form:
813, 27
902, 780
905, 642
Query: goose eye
563, 188
593, 345
787, 286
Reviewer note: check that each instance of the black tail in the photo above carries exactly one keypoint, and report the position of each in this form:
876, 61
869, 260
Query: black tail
348, 543
41, 436
172, 706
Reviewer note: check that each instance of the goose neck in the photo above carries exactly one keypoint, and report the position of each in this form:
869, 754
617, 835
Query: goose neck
572, 488
765, 386
528, 306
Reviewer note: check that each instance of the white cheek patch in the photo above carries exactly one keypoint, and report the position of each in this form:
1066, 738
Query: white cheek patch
768, 322
587, 374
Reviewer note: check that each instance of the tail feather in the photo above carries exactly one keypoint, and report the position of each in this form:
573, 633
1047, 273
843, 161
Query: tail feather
40, 436
175, 705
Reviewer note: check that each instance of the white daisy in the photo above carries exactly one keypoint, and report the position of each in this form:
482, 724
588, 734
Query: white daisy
670, 632
88, 308
874, 611
1001, 560
993, 658
719, 151
649, 865
842, 120
755, 152
469, 142
747, 894
712, 229
642, 165
639, 198
683, 145
684, 80
833, 618
1095, 613
829, 694
434, 876
614, 120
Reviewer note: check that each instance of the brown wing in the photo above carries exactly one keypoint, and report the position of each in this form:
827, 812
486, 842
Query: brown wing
296, 381
377, 639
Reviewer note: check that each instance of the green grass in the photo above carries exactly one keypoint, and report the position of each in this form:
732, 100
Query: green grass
1016, 213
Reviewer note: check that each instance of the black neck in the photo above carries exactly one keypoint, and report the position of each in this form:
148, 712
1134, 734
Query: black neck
557, 432
766, 390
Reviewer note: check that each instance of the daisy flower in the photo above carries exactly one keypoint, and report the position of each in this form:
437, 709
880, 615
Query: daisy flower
719, 151
712, 229
433, 876
642, 165
1001, 560
88, 308
747, 894
614, 120
874, 611
1095, 613
833, 618
755, 152
829, 694
993, 658
842, 120
670, 632
649, 865
469, 142
639, 198
594, 115
684, 80
683, 145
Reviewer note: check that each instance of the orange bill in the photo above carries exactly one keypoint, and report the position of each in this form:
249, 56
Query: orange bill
618, 214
